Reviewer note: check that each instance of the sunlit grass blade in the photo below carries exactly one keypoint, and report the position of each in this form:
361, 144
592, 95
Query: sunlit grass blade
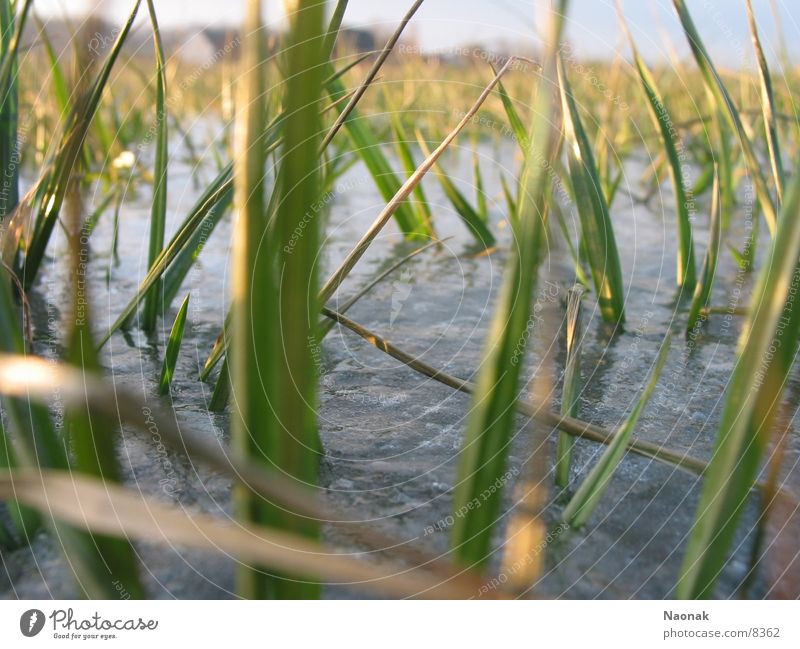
200, 220
185, 259
597, 231
514, 120
702, 291
671, 141
334, 26
484, 453
726, 106
173, 347
767, 348
555, 209
591, 489
767, 105
572, 383
477, 227
255, 376
274, 321
158, 213
13, 25
420, 202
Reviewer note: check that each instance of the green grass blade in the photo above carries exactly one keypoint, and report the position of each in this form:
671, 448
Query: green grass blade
254, 375
767, 105
368, 147
222, 389
727, 107
158, 214
511, 202
13, 26
591, 490
572, 384
187, 232
480, 194
514, 120
401, 197
477, 227
670, 139
420, 202
275, 294
597, 231
346, 111
555, 209
185, 259
483, 456
767, 347
57, 77
702, 291
173, 347
334, 26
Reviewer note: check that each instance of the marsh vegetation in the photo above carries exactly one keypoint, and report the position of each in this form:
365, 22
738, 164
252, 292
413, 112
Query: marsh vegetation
312, 322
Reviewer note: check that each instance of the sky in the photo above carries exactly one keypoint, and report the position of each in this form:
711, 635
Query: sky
442, 25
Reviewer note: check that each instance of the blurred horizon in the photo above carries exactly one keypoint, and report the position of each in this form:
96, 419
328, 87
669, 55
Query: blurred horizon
442, 26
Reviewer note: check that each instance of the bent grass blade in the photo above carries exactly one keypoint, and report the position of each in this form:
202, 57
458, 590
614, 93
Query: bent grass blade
591, 490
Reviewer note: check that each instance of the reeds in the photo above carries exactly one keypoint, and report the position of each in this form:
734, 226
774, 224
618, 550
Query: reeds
291, 145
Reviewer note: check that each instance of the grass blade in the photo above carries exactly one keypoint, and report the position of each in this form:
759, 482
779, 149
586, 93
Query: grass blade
767, 347
670, 139
726, 106
582, 504
484, 452
572, 384
158, 214
368, 147
480, 194
472, 219
514, 120
173, 347
274, 320
373, 71
409, 166
767, 105
597, 231
702, 291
